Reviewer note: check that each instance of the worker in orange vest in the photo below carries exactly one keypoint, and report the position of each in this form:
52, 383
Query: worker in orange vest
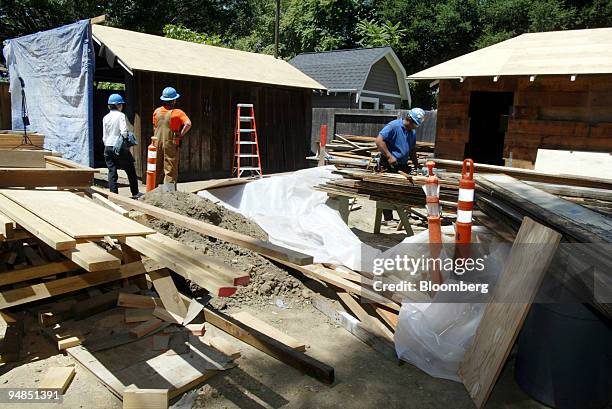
171, 125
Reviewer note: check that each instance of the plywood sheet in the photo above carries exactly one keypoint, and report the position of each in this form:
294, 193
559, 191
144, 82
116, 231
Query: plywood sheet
503, 318
75, 215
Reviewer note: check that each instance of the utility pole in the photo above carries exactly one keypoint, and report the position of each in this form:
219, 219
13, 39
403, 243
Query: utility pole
276, 24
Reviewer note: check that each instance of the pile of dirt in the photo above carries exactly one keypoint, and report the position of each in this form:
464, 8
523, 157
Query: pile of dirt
268, 281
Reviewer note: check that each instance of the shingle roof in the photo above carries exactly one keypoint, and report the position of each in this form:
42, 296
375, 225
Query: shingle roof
341, 69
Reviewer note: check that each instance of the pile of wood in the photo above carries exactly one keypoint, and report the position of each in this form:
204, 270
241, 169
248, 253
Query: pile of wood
353, 150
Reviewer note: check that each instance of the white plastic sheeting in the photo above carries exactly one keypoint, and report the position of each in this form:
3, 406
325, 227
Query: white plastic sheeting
295, 215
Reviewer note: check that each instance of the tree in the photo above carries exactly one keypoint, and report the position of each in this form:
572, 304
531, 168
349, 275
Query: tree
180, 32
375, 34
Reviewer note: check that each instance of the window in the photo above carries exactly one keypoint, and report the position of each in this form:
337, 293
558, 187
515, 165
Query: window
368, 103
388, 106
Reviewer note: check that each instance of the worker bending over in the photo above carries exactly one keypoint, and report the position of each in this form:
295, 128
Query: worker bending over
117, 142
171, 125
397, 142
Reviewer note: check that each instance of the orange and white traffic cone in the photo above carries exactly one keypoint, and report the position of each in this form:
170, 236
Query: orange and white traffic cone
151, 165
465, 204
432, 197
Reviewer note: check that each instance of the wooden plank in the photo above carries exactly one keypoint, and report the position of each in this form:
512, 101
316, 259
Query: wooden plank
256, 245
138, 301
146, 328
97, 304
529, 259
209, 263
73, 214
267, 329
69, 342
18, 296
32, 177
138, 315
366, 319
10, 347
55, 238
92, 257
134, 398
58, 378
165, 315
32, 273
223, 345
219, 286
165, 287
389, 317
17, 158
270, 346
7, 226
97, 197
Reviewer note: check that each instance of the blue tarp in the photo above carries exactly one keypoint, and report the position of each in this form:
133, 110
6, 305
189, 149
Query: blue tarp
57, 67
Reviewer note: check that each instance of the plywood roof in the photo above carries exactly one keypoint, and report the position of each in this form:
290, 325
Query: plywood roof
145, 52
549, 53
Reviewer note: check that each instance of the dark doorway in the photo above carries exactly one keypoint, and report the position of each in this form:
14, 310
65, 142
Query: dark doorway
488, 124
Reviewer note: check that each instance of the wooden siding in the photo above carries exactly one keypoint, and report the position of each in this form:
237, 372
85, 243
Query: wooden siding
551, 112
382, 78
283, 118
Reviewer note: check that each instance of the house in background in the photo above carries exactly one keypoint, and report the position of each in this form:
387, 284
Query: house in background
527, 98
362, 78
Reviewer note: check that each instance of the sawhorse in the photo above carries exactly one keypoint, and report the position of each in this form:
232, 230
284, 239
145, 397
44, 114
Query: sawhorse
404, 219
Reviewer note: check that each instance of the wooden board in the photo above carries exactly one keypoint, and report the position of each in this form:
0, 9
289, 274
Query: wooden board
32, 177
52, 236
57, 378
18, 296
7, 226
74, 215
269, 330
504, 315
92, 257
138, 315
137, 301
32, 273
270, 346
165, 287
134, 398
256, 245
366, 319
146, 327
225, 346
185, 266
16, 158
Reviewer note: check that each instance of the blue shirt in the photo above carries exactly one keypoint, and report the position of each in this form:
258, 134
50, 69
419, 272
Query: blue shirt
399, 140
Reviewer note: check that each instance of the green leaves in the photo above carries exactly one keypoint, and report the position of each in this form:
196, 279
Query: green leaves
180, 32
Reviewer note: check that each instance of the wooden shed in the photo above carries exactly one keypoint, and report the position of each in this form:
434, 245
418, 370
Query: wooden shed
211, 81
549, 90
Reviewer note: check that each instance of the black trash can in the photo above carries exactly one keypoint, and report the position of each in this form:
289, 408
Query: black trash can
564, 357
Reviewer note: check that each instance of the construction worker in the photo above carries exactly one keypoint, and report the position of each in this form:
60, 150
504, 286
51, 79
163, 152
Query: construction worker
397, 142
116, 146
171, 125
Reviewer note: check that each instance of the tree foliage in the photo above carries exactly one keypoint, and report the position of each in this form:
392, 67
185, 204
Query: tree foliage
422, 32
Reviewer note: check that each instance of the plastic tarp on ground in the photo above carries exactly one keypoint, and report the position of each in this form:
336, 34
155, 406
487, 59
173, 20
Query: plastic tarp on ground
57, 67
433, 336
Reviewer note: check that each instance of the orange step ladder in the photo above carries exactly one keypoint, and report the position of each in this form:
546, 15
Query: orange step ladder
246, 145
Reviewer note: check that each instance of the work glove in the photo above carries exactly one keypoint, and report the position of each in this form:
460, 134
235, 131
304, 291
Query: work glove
118, 146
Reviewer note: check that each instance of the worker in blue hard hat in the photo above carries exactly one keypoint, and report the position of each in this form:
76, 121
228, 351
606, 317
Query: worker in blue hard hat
117, 141
397, 143
171, 125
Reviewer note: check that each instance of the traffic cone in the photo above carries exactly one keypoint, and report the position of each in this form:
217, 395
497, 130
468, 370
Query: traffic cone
151, 165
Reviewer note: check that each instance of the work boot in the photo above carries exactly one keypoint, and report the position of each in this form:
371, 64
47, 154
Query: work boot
138, 196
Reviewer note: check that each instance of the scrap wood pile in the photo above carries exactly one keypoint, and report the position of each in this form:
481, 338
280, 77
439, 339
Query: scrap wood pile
357, 151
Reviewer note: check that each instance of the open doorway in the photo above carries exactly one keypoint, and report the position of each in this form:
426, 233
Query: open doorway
488, 124
102, 90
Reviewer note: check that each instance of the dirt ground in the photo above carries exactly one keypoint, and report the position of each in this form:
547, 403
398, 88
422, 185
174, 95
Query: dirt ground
364, 379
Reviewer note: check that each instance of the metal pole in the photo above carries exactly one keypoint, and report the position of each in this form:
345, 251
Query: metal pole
276, 24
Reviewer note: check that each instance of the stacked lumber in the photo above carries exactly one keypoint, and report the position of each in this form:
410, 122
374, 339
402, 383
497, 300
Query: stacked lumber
40, 168
15, 139
353, 150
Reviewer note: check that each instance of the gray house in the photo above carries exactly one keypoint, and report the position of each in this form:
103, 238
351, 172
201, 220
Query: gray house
365, 78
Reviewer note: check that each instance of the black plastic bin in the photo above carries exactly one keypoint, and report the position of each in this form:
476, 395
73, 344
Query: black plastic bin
564, 357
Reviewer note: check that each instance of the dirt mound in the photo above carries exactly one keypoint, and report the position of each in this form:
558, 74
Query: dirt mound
268, 282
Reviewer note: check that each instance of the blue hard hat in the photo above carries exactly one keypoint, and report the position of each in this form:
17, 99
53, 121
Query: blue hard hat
115, 99
169, 94
417, 115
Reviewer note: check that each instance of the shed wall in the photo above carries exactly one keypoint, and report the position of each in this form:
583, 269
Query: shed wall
283, 117
551, 112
